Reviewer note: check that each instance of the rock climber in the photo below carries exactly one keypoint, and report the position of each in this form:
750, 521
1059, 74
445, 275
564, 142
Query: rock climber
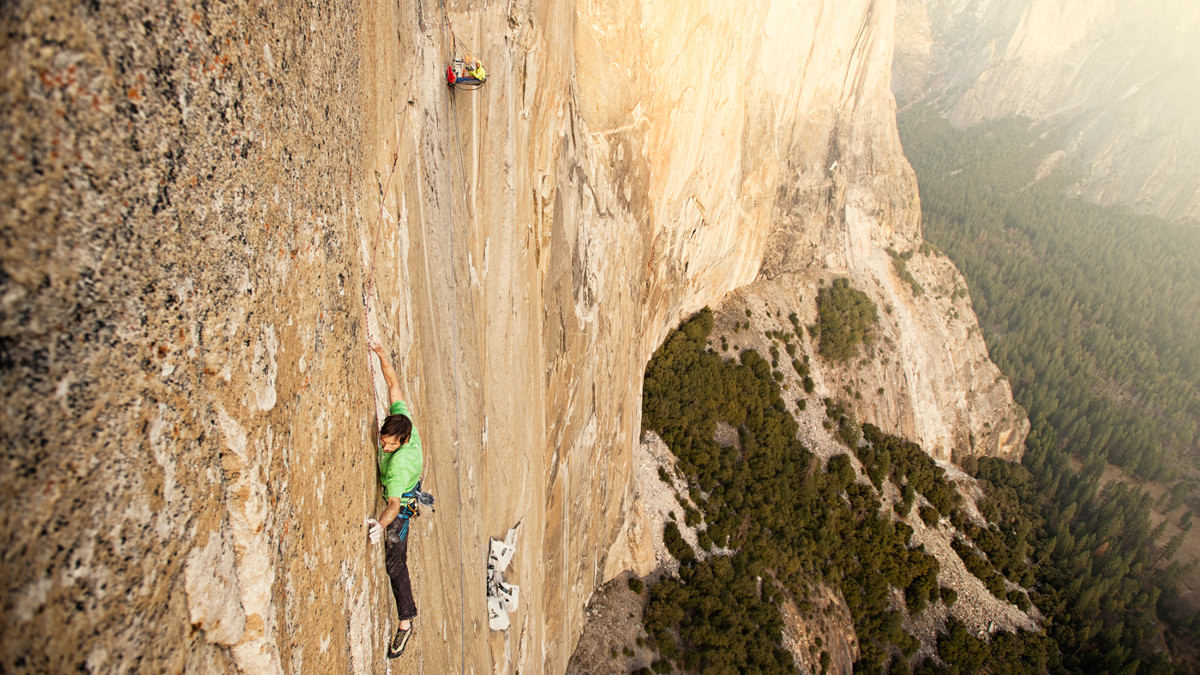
400, 466
476, 72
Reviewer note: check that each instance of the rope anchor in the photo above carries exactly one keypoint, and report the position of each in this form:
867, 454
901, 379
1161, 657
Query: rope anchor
464, 71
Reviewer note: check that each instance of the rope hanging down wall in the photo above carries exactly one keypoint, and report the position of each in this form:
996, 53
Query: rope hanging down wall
457, 376
368, 292
463, 71
368, 289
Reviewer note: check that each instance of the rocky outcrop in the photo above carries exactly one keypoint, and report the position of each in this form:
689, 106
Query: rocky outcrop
925, 375
1114, 80
209, 207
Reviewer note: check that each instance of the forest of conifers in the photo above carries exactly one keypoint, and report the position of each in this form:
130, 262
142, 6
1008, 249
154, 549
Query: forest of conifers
1089, 312
793, 523
788, 523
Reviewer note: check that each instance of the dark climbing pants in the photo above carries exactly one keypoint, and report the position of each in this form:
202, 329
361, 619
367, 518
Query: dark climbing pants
396, 559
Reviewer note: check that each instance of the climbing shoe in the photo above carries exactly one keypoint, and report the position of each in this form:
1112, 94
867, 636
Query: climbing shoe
400, 641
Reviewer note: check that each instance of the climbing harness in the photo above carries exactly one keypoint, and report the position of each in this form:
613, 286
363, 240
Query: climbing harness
409, 508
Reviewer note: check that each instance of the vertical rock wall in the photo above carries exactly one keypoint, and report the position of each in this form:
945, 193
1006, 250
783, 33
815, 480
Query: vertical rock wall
207, 210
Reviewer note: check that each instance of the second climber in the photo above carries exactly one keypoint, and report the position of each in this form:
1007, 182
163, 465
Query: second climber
465, 73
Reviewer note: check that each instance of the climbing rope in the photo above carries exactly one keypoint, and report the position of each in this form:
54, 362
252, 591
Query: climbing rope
462, 599
462, 172
455, 43
457, 427
369, 281
368, 291
457, 46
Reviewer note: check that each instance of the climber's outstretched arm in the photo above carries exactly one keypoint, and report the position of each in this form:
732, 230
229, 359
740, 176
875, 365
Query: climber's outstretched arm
375, 527
393, 382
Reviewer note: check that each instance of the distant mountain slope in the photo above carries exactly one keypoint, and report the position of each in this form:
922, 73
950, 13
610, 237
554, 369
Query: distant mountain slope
1115, 81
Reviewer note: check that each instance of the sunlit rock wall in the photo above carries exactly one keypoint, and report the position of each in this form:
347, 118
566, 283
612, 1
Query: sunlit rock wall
208, 209
184, 422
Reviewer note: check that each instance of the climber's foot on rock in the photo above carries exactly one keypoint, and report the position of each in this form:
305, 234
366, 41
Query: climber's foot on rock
400, 641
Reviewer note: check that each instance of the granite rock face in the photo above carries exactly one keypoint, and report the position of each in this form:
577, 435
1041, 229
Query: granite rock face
208, 208
179, 279
1116, 79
